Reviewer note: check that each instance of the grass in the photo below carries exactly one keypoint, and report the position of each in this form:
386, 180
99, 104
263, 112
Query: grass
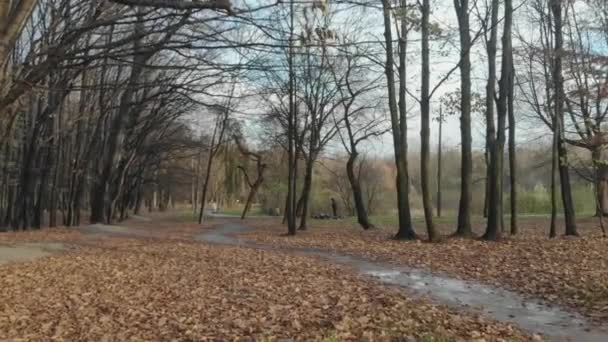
450, 218
393, 220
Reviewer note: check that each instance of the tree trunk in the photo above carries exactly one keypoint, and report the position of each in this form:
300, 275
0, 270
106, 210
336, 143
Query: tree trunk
558, 81
601, 181
554, 175
425, 123
486, 199
439, 162
252, 192
355, 185
512, 156
306, 188
206, 184
466, 168
495, 206
564, 176
291, 134
490, 102
398, 123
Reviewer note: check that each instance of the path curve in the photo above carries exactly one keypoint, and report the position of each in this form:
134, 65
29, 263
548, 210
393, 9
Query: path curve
552, 322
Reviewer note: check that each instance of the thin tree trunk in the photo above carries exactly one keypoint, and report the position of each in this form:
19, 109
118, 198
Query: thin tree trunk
291, 136
439, 162
512, 157
425, 115
554, 175
486, 199
207, 177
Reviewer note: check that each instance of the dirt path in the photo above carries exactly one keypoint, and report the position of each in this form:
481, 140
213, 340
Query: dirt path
17, 252
506, 306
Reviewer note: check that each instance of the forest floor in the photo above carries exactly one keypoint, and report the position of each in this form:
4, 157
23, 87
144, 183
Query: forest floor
154, 282
571, 272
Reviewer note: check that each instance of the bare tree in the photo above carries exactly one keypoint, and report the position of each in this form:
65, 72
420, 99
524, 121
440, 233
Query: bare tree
398, 117
254, 185
217, 140
466, 173
495, 208
358, 122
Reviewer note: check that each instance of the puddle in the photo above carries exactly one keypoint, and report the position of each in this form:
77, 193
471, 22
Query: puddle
502, 305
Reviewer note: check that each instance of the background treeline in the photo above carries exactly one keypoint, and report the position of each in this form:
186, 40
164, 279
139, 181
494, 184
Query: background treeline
92, 100
110, 106
229, 190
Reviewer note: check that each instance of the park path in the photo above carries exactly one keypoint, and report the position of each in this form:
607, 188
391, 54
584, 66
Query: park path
532, 315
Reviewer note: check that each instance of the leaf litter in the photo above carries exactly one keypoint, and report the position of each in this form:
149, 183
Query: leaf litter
572, 272
118, 289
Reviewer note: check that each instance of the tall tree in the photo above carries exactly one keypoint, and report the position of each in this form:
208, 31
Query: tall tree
254, 185
558, 82
495, 205
512, 153
466, 168
398, 115
439, 166
357, 121
290, 207
425, 122
217, 140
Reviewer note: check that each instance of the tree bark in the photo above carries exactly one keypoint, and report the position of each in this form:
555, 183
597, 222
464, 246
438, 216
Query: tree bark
512, 155
439, 147
362, 217
554, 175
210, 157
558, 81
306, 189
601, 181
466, 168
425, 123
398, 123
495, 207
291, 134
260, 168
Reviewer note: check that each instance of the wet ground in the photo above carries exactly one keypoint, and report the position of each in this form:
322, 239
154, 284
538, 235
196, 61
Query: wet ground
499, 304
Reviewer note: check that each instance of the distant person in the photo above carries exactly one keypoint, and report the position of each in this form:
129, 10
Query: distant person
334, 207
214, 207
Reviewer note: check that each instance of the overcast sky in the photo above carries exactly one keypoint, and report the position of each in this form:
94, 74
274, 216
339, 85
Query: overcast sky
444, 57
